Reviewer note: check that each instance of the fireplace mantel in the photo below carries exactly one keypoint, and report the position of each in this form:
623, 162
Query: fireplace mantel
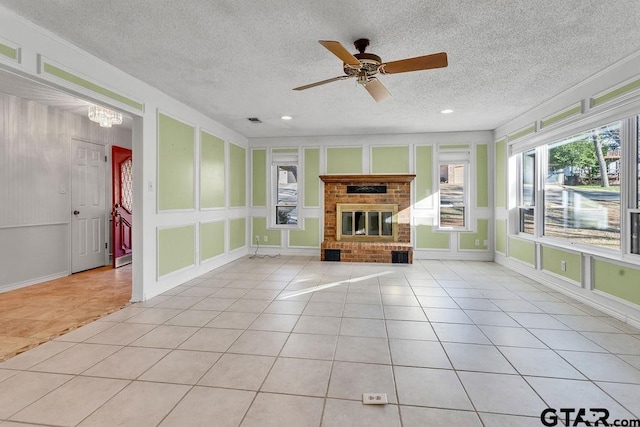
382, 178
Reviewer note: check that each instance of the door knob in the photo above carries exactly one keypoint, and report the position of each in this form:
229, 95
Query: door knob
76, 212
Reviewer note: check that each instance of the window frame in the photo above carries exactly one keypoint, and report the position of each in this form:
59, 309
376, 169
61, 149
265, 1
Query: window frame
277, 159
629, 119
451, 158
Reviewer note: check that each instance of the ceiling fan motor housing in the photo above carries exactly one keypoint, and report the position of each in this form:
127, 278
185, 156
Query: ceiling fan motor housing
369, 62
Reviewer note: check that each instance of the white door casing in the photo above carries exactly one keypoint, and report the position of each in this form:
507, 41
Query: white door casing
87, 206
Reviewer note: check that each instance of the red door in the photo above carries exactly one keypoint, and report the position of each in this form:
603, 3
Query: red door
121, 209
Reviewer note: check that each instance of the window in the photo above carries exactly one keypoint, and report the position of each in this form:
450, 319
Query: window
453, 195
527, 196
287, 195
582, 188
284, 188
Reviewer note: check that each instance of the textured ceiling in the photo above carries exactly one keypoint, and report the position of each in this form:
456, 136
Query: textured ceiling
237, 59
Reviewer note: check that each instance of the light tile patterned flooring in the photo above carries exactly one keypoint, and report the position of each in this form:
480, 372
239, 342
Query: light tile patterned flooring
292, 341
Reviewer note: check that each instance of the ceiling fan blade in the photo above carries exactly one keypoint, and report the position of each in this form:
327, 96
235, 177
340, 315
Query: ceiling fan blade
320, 83
427, 62
377, 90
341, 52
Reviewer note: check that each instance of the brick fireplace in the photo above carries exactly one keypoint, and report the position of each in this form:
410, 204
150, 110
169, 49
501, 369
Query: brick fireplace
374, 225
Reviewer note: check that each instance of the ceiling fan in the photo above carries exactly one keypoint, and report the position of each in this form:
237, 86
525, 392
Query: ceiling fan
365, 66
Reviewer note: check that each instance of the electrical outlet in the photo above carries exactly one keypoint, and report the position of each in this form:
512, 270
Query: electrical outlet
374, 398
257, 239
477, 242
265, 239
563, 265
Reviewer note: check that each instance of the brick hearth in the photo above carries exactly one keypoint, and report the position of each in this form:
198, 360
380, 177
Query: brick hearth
398, 193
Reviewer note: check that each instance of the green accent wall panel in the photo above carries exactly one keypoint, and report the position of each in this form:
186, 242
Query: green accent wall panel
501, 236
237, 176
175, 164
501, 174
468, 240
259, 228
482, 176
309, 237
616, 93
311, 177
211, 171
523, 250
427, 238
8, 51
523, 132
344, 160
211, 239
237, 233
259, 178
390, 159
551, 258
453, 146
424, 176
617, 280
176, 249
72, 78
561, 116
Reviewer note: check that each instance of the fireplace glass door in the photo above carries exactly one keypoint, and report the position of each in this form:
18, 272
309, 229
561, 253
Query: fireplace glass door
366, 222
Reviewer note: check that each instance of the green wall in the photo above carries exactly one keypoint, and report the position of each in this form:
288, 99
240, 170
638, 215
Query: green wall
8, 51
72, 78
468, 240
424, 176
176, 249
618, 280
390, 159
309, 237
259, 228
175, 164
501, 174
482, 176
311, 177
523, 250
212, 166
211, 239
237, 176
551, 258
426, 238
259, 178
237, 233
344, 160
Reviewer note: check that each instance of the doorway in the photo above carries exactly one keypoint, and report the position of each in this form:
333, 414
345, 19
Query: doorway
122, 205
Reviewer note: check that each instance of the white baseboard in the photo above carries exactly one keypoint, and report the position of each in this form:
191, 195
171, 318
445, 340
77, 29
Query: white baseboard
615, 307
30, 282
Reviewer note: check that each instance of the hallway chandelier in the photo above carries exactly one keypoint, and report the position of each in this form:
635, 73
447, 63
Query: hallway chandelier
106, 118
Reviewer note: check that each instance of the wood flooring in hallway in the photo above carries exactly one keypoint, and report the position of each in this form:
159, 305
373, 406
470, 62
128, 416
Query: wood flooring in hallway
35, 314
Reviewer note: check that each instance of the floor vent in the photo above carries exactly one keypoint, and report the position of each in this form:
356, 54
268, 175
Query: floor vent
400, 257
332, 254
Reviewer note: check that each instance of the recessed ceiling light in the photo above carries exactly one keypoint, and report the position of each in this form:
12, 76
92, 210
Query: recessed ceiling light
447, 111
286, 117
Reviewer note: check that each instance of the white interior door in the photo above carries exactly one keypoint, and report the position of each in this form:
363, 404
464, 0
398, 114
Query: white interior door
87, 206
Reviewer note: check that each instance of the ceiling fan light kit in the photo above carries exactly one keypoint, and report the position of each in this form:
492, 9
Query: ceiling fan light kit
364, 67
